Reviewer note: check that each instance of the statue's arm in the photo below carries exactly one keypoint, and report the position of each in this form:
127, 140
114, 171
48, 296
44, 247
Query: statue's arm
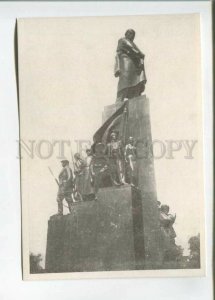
125, 153
140, 52
117, 66
91, 167
126, 45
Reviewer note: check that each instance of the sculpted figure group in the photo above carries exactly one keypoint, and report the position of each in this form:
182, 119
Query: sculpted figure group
108, 165
111, 164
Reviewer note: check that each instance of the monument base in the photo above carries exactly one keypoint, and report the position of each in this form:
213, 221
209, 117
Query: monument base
102, 235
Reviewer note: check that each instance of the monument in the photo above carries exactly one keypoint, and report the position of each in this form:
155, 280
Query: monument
119, 229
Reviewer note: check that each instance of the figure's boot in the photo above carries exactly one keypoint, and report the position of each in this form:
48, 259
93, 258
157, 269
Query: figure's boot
60, 208
121, 178
113, 179
70, 207
133, 181
115, 183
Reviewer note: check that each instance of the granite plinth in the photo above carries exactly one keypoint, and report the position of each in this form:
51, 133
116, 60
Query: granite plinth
100, 235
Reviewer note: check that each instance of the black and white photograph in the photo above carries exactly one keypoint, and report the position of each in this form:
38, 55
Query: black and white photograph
111, 146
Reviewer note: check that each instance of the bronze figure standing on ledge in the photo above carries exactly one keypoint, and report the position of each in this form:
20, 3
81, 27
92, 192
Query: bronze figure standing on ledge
66, 185
129, 67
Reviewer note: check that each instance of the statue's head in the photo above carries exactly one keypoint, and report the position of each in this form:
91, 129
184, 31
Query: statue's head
131, 140
130, 34
64, 163
113, 136
77, 156
88, 152
165, 208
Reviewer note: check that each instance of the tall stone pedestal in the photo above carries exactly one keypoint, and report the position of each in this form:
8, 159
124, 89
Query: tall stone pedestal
139, 126
101, 235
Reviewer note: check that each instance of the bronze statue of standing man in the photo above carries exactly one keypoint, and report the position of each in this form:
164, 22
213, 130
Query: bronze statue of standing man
65, 187
129, 67
130, 155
